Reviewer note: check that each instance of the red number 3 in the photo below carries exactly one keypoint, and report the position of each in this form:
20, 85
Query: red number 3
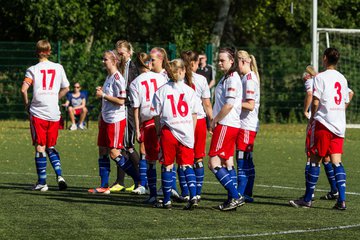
338, 91
182, 106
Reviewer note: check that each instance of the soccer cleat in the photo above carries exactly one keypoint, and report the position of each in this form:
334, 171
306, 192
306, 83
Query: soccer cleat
117, 188
340, 206
193, 203
61, 183
130, 189
139, 190
161, 204
174, 194
330, 196
232, 204
40, 187
150, 200
198, 197
99, 190
300, 203
73, 127
312, 197
183, 199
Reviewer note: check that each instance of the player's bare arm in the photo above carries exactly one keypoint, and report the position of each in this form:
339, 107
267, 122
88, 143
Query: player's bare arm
114, 100
307, 103
137, 124
314, 107
223, 112
249, 104
63, 92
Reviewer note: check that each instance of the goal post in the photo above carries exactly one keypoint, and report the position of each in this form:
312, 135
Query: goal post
347, 41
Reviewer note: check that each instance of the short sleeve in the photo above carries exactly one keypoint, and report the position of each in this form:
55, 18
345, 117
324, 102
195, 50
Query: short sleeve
64, 81
119, 86
231, 87
205, 89
318, 87
134, 95
309, 84
251, 89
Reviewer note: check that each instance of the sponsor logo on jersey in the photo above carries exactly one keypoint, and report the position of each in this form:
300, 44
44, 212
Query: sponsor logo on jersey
250, 92
231, 89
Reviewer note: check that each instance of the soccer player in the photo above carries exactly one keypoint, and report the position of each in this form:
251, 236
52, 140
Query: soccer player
159, 62
142, 90
225, 127
76, 105
130, 72
49, 83
249, 124
333, 193
330, 99
201, 87
112, 124
174, 107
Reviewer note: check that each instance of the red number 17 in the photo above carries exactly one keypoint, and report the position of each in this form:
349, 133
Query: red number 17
49, 71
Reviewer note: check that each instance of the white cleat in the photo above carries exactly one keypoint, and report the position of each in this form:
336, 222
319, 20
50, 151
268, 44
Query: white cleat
61, 183
73, 127
139, 190
40, 187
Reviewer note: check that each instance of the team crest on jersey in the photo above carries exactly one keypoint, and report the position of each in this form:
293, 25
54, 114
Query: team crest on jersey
248, 77
116, 76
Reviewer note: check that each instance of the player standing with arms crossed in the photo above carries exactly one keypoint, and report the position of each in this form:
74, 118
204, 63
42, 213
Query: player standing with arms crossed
225, 127
112, 124
49, 83
330, 99
174, 108
249, 124
142, 90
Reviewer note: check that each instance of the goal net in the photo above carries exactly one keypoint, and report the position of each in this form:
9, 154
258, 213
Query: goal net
347, 41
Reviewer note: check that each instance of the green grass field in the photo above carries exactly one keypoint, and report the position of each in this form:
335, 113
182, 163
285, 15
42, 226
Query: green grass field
74, 214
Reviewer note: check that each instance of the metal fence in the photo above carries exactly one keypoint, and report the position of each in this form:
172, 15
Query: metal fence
280, 70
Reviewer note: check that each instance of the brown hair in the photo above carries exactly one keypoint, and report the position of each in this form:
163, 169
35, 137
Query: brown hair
188, 57
245, 56
173, 67
43, 48
231, 54
141, 60
332, 55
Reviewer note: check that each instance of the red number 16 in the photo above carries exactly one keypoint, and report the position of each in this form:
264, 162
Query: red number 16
182, 106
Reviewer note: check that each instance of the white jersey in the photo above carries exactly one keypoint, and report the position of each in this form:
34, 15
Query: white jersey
142, 90
114, 86
229, 88
164, 74
202, 91
309, 85
331, 88
47, 78
251, 91
175, 102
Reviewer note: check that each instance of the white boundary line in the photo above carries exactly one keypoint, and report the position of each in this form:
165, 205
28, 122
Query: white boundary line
207, 182
270, 233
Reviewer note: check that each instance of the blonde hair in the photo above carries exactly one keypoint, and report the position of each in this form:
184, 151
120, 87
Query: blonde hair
173, 68
188, 57
245, 56
161, 54
125, 44
114, 58
43, 48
